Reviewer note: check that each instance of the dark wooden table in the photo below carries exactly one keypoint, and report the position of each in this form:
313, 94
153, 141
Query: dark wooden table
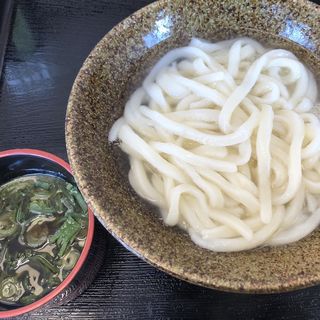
48, 41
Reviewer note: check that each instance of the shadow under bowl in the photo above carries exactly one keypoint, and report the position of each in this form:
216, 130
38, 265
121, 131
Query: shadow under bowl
114, 68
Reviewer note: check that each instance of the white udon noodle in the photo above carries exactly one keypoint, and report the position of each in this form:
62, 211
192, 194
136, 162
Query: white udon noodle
221, 139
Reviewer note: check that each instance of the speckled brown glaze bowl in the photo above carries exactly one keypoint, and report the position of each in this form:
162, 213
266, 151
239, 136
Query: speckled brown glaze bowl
113, 69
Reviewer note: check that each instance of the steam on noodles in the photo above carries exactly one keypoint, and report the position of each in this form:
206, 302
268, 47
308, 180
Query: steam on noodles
221, 138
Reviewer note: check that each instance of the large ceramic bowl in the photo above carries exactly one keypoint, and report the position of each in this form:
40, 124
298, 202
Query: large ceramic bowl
113, 69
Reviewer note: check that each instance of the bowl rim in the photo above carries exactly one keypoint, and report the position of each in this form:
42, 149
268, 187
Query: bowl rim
79, 175
84, 253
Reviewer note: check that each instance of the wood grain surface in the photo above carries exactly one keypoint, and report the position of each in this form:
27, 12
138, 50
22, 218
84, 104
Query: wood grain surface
48, 42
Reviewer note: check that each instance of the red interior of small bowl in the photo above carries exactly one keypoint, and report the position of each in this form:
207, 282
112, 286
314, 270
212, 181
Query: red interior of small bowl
63, 285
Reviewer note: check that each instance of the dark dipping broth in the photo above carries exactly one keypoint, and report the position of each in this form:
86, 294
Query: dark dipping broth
43, 228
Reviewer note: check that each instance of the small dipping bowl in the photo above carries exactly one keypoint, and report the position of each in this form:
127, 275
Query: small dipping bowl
19, 162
